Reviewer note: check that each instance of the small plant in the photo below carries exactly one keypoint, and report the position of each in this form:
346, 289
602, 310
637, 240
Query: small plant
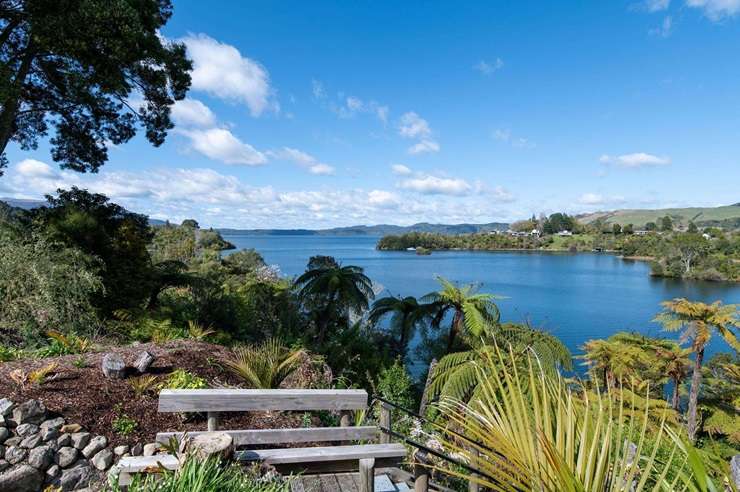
306, 419
123, 424
19, 377
9, 353
80, 362
182, 379
266, 365
39, 376
60, 344
197, 332
143, 385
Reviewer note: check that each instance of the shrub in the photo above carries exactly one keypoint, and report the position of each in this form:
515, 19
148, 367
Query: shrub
182, 379
266, 365
142, 384
124, 425
39, 375
60, 344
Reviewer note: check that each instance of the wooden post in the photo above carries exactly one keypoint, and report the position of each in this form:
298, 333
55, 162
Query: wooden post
367, 475
421, 472
212, 421
345, 421
473, 485
385, 423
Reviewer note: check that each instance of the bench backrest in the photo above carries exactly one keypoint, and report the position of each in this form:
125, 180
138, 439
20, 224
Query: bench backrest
250, 400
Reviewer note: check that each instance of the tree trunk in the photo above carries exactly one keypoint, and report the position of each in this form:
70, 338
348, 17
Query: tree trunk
694, 394
12, 102
675, 399
454, 328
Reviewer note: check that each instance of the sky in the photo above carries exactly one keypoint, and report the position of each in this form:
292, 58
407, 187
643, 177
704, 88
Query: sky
335, 113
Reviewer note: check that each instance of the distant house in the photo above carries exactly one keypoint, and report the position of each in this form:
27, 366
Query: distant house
411, 249
535, 232
706, 236
565, 233
641, 233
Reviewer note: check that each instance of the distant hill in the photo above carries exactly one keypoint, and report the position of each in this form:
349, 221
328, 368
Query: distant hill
727, 216
23, 203
376, 230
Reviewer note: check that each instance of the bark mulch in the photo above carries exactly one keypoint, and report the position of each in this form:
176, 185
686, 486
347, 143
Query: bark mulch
85, 396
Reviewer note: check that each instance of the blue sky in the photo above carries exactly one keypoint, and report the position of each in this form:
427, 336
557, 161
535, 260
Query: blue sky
320, 114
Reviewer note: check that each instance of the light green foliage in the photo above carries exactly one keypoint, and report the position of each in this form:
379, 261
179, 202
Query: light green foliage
207, 476
395, 385
182, 379
122, 424
143, 385
60, 344
720, 398
266, 365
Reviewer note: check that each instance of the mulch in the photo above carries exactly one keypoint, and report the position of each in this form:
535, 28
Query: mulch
85, 396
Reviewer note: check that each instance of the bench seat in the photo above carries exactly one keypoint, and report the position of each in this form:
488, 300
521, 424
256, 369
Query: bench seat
137, 464
323, 454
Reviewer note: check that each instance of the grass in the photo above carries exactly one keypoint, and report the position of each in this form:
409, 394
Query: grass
682, 216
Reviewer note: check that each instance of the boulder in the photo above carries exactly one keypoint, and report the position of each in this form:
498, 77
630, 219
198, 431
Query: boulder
15, 455
80, 439
2, 451
113, 366
30, 412
4, 434
65, 456
13, 441
21, 478
41, 457
56, 423
24, 430
75, 478
143, 361
208, 444
151, 448
4, 465
53, 472
71, 428
137, 450
103, 460
6, 407
64, 440
49, 434
96, 444
119, 450
31, 441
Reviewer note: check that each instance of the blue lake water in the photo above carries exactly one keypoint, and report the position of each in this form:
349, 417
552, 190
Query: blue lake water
575, 296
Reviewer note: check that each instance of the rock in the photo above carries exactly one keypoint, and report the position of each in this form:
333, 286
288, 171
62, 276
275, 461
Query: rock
53, 472
71, 428
64, 440
113, 366
49, 433
2, 451
143, 361
22, 478
4, 434
103, 460
30, 412
75, 478
24, 430
3, 422
151, 448
96, 444
13, 441
31, 441
56, 423
121, 450
4, 465
65, 456
208, 444
15, 455
6, 407
735, 470
41, 457
80, 439
137, 450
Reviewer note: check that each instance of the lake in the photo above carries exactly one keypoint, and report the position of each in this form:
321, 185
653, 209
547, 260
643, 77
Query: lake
576, 296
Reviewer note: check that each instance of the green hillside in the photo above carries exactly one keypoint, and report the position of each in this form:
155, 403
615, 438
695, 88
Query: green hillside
727, 216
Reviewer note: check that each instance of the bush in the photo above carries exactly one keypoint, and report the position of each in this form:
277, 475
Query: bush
182, 379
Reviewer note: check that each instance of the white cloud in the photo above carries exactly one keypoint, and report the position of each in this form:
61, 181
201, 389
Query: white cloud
501, 194
382, 198
220, 70
303, 159
488, 68
664, 30
192, 112
352, 105
414, 126
317, 89
433, 185
221, 145
31, 168
657, 5
400, 170
716, 10
599, 199
635, 160
504, 135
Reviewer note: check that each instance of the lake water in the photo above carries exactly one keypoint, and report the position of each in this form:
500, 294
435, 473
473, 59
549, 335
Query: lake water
574, 296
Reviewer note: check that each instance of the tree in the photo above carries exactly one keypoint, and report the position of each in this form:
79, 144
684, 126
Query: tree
472, 313
616, 229
675, 363
610, 360
692, 227
651, 226
690, 247
405, 316
329, 287
76, 65
698, 322
628, 229
666, 224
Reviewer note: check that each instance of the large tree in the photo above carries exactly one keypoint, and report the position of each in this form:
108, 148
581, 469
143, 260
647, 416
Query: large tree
406, 313
698, 322
76, 66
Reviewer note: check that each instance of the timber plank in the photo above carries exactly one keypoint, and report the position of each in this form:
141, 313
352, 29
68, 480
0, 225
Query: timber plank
323, 454
278, 436
246, 400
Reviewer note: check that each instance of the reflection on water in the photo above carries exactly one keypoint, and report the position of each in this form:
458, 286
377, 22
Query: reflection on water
575, 296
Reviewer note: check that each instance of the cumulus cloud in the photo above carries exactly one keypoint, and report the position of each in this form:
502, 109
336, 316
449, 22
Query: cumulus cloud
383, 198
599, 199
635, 160
413, 126
220, 70
303, 159
400, 170
192, 112
35, 169
433, 185
716, 10
487, 68
221, 145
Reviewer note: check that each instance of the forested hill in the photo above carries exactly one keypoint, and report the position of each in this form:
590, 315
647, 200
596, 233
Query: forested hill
376, 230
727, 217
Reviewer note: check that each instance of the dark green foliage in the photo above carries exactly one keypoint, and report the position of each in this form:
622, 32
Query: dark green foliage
666, 224
404, 317
73, 65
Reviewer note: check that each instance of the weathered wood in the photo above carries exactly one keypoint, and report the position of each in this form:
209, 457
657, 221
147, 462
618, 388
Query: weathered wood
367, 475
329, 482
138, 464
421, 472
113, 366
399, 475
385, 423
235, 400
322, 454
279, 436
143, 361
345, 421
346, 483
212, 421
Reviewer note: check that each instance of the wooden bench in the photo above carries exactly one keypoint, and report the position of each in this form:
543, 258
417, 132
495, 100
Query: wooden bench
343, 457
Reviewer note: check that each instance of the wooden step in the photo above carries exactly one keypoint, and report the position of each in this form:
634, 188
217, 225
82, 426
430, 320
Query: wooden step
280, 436
323, 454
138, 464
